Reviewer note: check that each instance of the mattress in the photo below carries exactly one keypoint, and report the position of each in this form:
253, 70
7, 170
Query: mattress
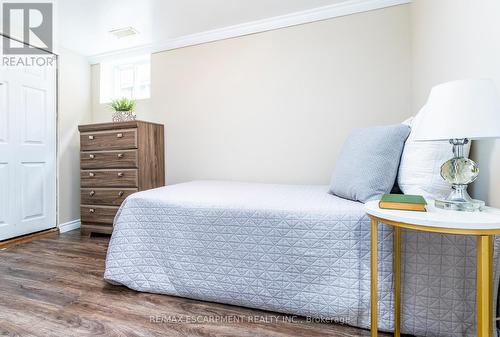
291, 249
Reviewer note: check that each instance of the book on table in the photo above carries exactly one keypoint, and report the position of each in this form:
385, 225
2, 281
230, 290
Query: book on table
404, 202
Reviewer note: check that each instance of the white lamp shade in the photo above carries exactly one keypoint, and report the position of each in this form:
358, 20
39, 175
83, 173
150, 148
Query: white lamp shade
461, 109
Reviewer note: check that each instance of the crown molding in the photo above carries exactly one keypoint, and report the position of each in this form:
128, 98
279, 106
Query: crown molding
129, 52
259, 26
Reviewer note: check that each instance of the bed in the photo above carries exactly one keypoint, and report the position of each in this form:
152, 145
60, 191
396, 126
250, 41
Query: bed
292, 249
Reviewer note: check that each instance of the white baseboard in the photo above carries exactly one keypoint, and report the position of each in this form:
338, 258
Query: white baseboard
69, 226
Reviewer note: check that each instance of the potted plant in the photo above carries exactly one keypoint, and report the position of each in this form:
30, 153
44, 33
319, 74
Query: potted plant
123, 109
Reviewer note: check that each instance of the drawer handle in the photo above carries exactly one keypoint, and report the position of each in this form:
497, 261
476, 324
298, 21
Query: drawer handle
120, 194
91, 210
91, 174
120, 155
92, 193
91, 156
120, 174
119, 135
91, 137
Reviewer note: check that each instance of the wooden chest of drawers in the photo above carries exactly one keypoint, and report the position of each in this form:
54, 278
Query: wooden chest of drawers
116, 160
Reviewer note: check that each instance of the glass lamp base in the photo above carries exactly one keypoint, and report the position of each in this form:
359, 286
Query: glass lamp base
459, 172
464, 206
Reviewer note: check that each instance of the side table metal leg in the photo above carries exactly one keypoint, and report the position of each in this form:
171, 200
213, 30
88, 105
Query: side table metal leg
374, 276
484, 286
397, 281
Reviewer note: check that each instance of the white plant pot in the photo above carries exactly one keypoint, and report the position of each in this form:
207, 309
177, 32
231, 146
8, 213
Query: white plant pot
123, 116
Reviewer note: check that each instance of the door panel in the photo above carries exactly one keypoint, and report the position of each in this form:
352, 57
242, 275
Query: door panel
4, 176
5, 152
35, 114
32, 195
27, 150
4, 110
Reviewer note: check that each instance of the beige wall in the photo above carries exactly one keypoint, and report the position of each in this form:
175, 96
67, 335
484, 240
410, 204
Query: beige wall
101, 113
458, 39
74, 108
277, 106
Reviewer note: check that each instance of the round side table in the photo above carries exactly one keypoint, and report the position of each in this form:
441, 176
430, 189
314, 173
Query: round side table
483, 225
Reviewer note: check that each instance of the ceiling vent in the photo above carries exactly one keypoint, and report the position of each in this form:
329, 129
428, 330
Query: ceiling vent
124, 32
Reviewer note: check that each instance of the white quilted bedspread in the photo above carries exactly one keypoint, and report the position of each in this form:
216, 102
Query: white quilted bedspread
290, 249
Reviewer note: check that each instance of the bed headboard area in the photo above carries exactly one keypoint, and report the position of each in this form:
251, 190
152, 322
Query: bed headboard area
277, 106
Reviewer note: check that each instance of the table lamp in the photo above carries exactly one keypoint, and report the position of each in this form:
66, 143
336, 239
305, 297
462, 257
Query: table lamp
460, 111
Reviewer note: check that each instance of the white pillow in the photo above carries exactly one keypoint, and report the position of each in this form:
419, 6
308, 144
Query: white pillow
420, 167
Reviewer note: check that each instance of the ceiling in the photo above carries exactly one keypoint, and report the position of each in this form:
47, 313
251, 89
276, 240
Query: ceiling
83, 25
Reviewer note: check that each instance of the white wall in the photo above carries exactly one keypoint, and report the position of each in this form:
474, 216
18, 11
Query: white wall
277, 106
458, 39
74, 108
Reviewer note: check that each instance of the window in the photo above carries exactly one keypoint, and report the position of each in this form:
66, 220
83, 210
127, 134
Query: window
129, 78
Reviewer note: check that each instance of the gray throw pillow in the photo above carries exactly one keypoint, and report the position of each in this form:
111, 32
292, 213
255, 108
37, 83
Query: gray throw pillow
369, 162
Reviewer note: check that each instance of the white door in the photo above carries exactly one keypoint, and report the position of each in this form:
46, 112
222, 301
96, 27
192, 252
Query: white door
27, 150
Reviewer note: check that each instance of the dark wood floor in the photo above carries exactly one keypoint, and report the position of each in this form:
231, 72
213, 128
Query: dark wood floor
54, 287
